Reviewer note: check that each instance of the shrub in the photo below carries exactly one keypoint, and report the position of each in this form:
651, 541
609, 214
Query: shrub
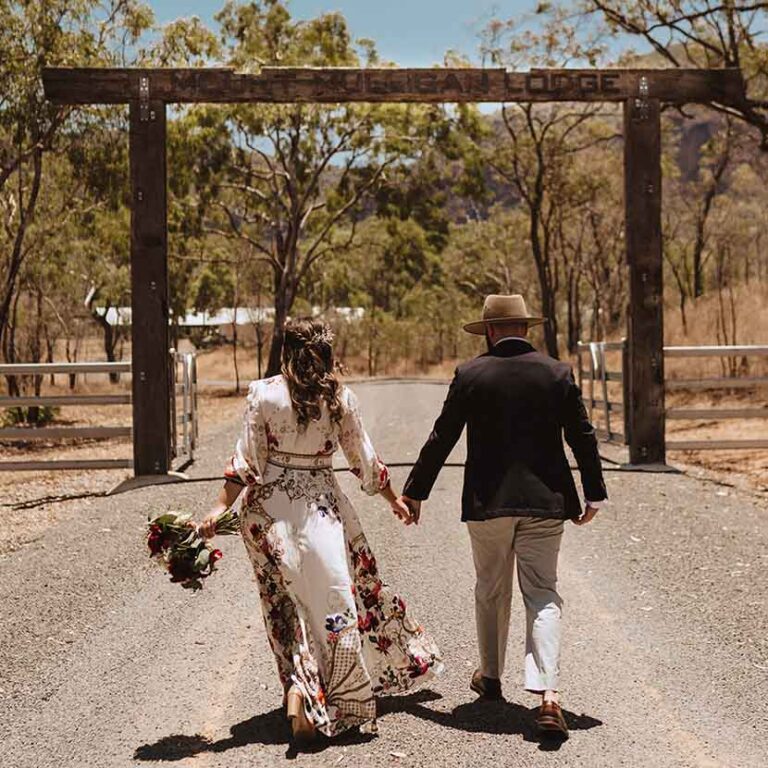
32, 415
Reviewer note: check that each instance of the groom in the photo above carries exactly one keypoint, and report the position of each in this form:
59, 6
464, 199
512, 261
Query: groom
517, 404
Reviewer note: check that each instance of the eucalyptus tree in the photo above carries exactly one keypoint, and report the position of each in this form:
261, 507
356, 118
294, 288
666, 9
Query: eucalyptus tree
700, 33
34, 35
534, 147
297, 176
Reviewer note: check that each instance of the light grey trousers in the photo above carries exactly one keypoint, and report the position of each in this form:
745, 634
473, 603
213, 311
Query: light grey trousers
535, 544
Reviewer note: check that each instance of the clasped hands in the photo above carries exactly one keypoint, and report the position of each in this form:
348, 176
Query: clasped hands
406, 509
409, 511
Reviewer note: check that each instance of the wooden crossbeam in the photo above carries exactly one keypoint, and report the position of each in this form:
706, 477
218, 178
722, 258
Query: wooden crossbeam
335, 84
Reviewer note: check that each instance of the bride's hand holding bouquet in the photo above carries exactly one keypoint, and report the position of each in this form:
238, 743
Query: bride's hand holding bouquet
212, 524
180, 546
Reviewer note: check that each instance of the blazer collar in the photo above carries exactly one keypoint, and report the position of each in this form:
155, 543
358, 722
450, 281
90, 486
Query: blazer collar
512, 348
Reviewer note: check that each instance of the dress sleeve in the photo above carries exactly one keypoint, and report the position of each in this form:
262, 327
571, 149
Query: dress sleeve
358, 448
249, 459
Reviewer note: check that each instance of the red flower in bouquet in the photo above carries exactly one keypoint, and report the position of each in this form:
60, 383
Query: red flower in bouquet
272, 440
155, 539
176, 546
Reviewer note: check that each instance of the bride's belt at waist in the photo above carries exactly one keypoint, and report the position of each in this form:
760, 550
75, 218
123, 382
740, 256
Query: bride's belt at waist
301, 461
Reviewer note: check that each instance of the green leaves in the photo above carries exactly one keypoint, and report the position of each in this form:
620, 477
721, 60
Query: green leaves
202, 559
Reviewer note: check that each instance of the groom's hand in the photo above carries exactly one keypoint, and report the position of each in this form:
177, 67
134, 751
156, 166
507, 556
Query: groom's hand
586, 516
414, 505
402, 511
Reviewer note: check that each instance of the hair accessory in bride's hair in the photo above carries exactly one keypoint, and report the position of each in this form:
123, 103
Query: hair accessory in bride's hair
323, 337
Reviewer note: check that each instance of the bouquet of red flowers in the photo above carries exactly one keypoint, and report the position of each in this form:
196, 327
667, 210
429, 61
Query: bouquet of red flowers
176, 546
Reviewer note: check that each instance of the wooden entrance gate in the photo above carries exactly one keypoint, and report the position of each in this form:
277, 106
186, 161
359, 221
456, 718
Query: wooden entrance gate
147, 91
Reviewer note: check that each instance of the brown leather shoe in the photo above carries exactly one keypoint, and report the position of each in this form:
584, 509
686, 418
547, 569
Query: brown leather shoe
550, 720
487, 687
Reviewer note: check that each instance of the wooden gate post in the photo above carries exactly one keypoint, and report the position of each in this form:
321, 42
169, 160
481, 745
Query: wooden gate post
642, 199
149, 286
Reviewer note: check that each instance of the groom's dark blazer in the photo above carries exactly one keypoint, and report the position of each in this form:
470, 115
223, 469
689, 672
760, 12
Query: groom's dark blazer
517, 404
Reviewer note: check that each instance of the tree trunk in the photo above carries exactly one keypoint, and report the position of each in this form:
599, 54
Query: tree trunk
259, 347
274, 363
545, 287
9, 346
234, 337
703, 215
33, 415
17, 252
110, 337
574, 311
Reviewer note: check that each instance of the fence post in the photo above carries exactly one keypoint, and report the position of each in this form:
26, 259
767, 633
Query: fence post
173, 375
625, 389
591, 383
185, 406
195, 425
604, 380
642, 200
150, 340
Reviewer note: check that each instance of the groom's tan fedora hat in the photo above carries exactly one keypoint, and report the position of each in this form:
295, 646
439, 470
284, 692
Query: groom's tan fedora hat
503, 309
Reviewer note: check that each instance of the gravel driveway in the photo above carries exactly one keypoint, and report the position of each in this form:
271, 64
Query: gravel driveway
104, 663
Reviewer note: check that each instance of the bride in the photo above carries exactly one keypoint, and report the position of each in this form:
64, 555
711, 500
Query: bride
340, 636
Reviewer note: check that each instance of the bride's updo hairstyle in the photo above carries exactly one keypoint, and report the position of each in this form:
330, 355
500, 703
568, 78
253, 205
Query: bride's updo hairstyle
308, 368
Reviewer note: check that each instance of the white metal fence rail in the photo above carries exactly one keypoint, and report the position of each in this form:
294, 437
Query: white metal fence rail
597, 400
61, 433
719, 383
184, 426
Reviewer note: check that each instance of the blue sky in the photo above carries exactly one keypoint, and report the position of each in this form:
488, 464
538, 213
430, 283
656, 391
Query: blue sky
410, 32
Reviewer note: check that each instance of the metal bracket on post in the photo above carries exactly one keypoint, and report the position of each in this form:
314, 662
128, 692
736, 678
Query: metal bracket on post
641, 111
144, 112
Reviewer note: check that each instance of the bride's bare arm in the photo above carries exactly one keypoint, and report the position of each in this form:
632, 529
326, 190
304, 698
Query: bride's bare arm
398, 506
227, 497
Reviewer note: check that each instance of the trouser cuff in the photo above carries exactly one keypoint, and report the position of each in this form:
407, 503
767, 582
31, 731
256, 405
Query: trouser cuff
536, 683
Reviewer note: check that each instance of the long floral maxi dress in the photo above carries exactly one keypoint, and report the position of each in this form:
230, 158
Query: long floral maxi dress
337, 631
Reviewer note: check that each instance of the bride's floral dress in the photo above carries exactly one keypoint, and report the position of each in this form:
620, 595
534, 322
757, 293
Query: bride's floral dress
337, 630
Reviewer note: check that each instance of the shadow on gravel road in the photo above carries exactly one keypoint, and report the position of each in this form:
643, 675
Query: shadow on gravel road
502, 718
269, 728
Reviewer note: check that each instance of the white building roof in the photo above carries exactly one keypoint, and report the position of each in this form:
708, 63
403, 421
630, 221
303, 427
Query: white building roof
228, 316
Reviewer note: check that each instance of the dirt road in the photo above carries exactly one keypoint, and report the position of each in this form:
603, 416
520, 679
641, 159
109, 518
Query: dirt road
104, 663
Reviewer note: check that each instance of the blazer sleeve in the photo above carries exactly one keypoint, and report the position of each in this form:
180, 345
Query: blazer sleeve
580, 436
445, 433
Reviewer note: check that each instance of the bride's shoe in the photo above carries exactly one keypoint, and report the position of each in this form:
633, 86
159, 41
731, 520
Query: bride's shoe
302, 727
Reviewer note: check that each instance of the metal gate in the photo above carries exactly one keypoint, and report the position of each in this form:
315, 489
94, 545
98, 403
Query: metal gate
184, 409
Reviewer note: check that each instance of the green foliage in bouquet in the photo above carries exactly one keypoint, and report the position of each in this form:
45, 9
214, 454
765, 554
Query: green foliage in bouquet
178, 548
